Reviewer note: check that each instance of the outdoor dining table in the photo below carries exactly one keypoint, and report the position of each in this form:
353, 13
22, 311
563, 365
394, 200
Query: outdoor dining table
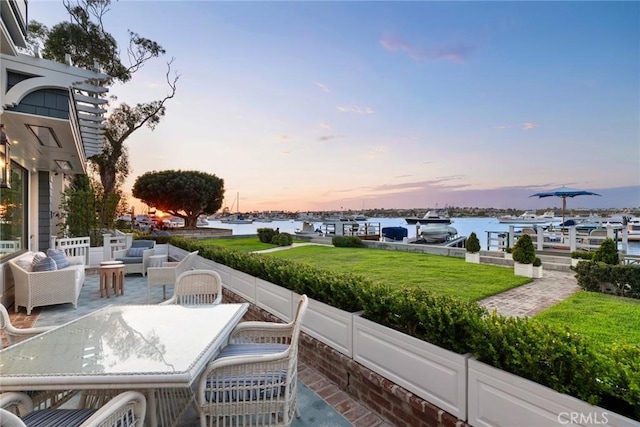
153, 348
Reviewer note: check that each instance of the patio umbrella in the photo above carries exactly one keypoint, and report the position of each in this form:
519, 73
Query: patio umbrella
564, 192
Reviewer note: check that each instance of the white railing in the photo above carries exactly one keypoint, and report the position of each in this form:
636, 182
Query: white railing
73, 246
114, 243
9, 246
569, 239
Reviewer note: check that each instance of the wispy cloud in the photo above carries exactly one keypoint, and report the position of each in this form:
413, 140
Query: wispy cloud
529, 125
502, 127
282, 138
355, 109
457, 51
377, 152
326, 138
322, 86
325, 125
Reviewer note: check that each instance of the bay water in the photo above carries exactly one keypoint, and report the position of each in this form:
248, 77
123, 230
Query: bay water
481, 226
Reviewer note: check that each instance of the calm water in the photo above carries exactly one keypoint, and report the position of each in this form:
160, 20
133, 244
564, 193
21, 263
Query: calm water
481, 226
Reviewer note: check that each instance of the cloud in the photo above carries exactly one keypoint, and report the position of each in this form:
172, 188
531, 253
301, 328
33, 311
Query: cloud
325, 125
457, 51
529, 125
282, 138
326, 138
502, 127
322, 86
355, 109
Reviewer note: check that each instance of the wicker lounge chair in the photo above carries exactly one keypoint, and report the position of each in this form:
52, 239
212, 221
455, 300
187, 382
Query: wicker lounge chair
254, 379
126, 409
168, 273
196, 287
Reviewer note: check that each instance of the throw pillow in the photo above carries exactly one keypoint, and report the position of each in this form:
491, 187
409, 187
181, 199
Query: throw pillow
59, 257
136, 252
25, 263
44, 264
37, 257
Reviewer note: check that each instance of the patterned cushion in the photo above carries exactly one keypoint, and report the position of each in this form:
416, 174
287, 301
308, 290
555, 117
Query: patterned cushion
136, 252
59, 257
58, 417
44, 264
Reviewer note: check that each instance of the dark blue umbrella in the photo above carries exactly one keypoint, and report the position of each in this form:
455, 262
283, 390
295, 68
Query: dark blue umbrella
564, 192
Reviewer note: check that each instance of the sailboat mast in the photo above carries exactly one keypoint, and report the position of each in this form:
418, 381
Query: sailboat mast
238, 199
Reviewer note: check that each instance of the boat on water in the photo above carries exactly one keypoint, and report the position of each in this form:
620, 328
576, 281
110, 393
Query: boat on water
437, 232
308, 230
431, 217
528, 217
236, 219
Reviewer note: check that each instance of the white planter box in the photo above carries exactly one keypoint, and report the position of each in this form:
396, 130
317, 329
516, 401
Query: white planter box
432, 373
498, 398
472, 257
275, 299
537, 272
525, 270
328, 324
243, 284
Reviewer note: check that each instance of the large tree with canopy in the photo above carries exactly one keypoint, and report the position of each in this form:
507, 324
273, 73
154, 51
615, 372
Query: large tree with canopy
185, 194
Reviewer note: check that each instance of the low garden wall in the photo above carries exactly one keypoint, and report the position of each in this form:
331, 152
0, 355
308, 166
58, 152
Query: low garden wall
410, 381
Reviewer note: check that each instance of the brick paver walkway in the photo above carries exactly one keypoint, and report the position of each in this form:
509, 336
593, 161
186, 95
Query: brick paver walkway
530, 299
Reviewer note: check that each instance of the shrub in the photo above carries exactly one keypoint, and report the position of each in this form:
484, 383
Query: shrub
537, 262
508, 249
607, 252
582, 255
347, 242
473, 243
266, 234
282, 239
523, 250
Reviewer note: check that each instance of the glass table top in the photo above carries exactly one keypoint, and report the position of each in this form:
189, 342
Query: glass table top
117, 340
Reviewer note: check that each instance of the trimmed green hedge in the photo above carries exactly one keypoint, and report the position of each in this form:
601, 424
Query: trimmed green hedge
622, 280
559, 359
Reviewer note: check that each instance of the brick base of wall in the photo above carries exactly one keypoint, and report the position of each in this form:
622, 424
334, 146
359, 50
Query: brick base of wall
393, 403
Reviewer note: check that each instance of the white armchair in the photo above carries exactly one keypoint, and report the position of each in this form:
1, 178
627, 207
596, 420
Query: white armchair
254, 379
196, 287
168, 273
126, 409
136, 257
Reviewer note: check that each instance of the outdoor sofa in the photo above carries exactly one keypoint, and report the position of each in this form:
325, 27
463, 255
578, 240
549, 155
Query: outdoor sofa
53, 286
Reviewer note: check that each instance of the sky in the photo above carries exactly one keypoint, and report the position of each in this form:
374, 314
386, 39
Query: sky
331, 105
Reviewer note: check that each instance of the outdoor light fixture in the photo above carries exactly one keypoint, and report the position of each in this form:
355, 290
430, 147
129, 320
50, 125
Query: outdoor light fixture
5, 160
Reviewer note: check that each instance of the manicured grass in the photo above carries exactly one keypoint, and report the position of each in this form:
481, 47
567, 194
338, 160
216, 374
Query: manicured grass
245, 244
605, 319
441, 274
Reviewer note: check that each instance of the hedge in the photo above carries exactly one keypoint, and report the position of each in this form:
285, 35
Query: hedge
556, 358
621, 280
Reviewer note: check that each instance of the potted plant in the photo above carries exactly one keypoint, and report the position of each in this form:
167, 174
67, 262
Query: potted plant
537, 268
473, 249
524, 254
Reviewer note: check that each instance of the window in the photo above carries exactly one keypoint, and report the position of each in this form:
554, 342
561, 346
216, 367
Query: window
13, 213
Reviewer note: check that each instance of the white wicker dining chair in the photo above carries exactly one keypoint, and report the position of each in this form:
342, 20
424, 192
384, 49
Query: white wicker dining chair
196, 287
14, 334
256, 382
127, 409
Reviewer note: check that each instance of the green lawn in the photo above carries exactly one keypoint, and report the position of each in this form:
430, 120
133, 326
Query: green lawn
603, 318
441, 274
248, 244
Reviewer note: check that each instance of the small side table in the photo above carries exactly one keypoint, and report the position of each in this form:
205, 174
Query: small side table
111, 274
